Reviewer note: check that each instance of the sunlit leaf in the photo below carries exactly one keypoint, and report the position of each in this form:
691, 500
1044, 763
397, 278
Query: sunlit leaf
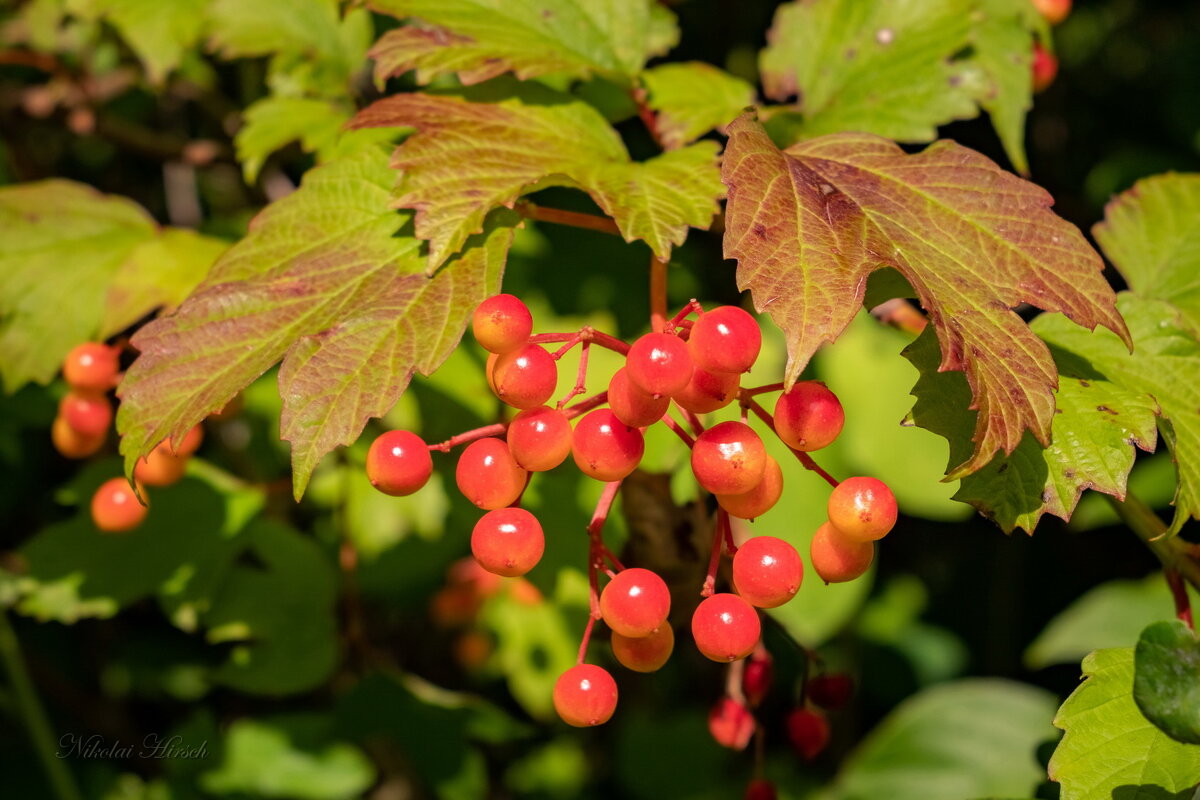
691, 98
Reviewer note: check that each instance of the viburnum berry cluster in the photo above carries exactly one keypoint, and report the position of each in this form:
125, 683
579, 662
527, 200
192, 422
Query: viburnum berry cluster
85, 413
689, 365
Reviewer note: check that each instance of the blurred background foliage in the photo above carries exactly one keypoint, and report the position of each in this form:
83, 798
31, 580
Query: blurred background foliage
236, 619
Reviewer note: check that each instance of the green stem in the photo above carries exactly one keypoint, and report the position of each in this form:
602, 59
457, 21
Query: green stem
40, 731
1173, 552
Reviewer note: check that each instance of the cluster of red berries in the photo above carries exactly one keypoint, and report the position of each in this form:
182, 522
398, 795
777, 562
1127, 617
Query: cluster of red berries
85, 413
697, 365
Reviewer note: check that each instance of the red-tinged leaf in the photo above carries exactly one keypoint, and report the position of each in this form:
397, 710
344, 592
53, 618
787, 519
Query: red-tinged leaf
326, 282
468, 158
809, 224
692, 98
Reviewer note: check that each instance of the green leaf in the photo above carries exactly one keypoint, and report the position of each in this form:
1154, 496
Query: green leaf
691, 98
1166, 664
467, 158
1095, 428
1152, 235
1002, 41
77, 265
1165, 364
159, 33
266, 27
809, 224
968, 738
481, 39
1109, 615
324, 283
1110, 751
273, 122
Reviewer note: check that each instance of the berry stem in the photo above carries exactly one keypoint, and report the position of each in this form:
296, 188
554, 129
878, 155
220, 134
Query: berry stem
1183, 606
714, 559
679, 431
558, 216
597, 552
580, 376
692, 420
658, 295
587, 630
733, 681
1174, 553
646, 115
498, 428
803, 457
757, 390
692, 306
585, 334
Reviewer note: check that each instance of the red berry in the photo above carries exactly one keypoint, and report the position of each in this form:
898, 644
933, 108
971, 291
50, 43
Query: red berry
731, 724
501, 323
808, 732
659, 364
585, 695
487, 475
1045, 68
160, 468
635, 602
761, 789
758, 675
725, 627
92, 366
708, 391
830, 691
767, 571
115, 508
1055, 11
398, 463
525, 377
726, 339
759, 500
633, 406
508, 541
862, 509
644, 653
454, 605
89, 413
836, 559
729, 458
190, 443
809, 416
539, 438
605, 448
70, 443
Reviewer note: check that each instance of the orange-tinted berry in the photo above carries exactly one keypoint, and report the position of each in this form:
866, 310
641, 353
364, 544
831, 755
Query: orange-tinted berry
70, 443
115, 508
585, 695
92, 366
759, 500
501, 323
837, 559
399, 463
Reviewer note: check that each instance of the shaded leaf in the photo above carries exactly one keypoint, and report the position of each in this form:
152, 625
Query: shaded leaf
809, 224
1002, 42
273, 122
480, 39
1110, 750
1166, 679
159, 33
1094, 432
323, 282
467, 158
691, 98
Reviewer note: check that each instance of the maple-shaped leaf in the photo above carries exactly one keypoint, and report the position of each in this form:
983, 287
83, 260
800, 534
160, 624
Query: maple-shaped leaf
78, 265
1096, 427
1000, 69
480, 39
809, 224
327, 281
467, 158
1151, 233
1165, 365
692, 98
159, 33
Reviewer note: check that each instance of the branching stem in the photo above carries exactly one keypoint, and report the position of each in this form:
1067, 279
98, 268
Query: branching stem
498, 428
803, 457
574, 219
584, 334
597, 552
658, 295
1174, 553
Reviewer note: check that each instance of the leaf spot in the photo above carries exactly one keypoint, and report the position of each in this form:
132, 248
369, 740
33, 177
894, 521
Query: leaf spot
885, 36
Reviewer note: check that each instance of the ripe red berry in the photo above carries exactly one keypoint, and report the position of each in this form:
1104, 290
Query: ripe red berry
501, 323
758, 675
731, 724
708, 391
1045, 68
862, 509
726, 339
398, 463
160, 468
761, 789
70, 443
115, 508
759, 500
729, 458
539, 438
525, 377
836, 559
633, 406
190, 442
508, 541
659, 364
92, 366
725, 627
585, 695
809, 416
1054, 11
605, 448
635, 602
767, 571
487, 475
89, 413
831, 691
644, 653
808, 732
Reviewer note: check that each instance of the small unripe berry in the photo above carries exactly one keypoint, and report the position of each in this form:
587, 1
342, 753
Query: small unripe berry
92, 366
836, 559
70, 443
160, 468
501, 323
115, 508
758, 675
644, 653
809, 416
1045, 68
808, 732
1054, 11
726, 339
585, 695
398, 463
862, 509
725, 627
761, 789
831, 691
731, 724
